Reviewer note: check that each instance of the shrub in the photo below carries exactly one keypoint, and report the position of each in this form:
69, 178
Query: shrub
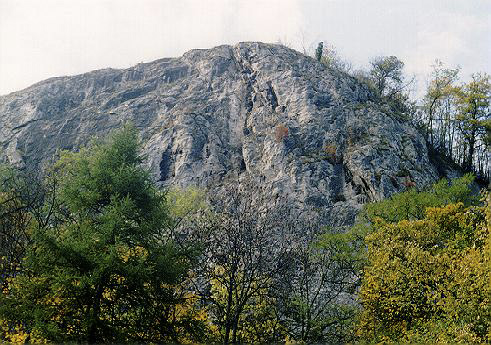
330, 151
281, 132
426, 278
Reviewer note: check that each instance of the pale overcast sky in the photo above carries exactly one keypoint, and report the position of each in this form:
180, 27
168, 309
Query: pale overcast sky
46, 38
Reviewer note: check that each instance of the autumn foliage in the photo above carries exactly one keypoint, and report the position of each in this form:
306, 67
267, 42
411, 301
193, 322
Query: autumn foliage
427, 280
100, 254
280, 133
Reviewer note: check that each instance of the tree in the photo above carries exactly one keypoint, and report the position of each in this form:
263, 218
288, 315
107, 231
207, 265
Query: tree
242, 241
390, 84
102, 269
331, 58
25, 203
315, 296
387, 75
15, 223
428, 280
412, 204
439, 107
457, 118
267, 274
472, 113
487, 139
427, 275
318, 51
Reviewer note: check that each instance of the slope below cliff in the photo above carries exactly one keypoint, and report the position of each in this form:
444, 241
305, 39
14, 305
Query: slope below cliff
265, 110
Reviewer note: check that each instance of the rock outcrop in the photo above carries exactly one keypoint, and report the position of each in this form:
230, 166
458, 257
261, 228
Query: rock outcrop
300, 129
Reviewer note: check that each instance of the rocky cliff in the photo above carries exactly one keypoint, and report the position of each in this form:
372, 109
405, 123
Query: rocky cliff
299, 128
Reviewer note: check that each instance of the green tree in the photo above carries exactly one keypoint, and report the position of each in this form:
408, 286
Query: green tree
439, 107
390, 85
457, 118
472, 115
103, 269
318, 51
412, 204
386, 72
487, 139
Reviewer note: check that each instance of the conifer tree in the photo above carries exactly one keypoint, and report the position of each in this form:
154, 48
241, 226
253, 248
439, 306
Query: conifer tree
103, 269
318, 51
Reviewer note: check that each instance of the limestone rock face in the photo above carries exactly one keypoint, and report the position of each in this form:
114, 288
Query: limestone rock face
263, 110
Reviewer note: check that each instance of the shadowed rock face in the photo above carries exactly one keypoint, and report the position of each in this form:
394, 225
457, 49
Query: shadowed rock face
300, 129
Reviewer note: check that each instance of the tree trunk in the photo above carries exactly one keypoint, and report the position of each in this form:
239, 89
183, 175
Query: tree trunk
230, 290
234, 329
92, 336
470, 157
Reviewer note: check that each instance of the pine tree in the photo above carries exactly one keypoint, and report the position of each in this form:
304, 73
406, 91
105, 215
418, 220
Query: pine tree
103, 269
318, 51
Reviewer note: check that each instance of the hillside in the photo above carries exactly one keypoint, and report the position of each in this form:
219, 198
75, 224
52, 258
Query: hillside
313, 134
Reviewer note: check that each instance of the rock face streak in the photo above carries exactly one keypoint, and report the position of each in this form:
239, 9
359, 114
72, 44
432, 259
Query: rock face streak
300, 129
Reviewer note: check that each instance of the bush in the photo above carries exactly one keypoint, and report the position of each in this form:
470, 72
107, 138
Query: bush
281, 132
428, 270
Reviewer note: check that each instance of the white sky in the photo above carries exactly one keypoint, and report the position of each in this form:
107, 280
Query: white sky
45, 38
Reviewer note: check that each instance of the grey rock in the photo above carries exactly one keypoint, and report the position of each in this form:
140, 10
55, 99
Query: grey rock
303, 131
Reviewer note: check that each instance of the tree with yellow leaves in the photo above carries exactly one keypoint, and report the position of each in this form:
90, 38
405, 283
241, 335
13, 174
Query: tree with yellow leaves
104, 268
427, 280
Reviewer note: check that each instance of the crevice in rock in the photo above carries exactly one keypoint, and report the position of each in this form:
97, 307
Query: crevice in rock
166, 165
365, 188
271, 96
394, 182
249, 78
25, 124
348, 175
337, 182
242, 165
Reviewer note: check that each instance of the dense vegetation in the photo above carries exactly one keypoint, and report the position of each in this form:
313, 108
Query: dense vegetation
453, 115
98, 266
96, 253
427, 275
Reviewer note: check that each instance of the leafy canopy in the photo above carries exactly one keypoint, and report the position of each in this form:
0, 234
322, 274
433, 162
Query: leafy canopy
426, 278
103, 268
412, 204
